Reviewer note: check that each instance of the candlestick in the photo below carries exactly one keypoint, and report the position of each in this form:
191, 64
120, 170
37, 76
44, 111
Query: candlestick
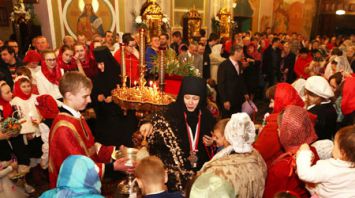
142, 80
161, 68
123, 60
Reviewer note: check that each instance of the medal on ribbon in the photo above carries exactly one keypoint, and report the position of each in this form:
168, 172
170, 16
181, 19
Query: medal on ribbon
193, 141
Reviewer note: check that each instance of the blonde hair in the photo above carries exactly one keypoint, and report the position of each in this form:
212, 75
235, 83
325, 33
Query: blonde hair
151, 170
73, 81
221, 125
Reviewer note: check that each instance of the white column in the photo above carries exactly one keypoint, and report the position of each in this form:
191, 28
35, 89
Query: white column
43, 10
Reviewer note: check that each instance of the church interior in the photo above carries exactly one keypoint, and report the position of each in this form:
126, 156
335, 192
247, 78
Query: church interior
177, 98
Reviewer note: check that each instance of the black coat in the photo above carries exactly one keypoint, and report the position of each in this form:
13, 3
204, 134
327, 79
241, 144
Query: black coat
207, 62
231, 85
326, 120
289, 63
112, 127
271, 61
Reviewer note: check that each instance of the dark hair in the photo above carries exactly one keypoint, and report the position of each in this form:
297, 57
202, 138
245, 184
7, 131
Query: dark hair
270, 92
235, 48
9, 49
177, 34
346, 142
303, 50
202, 32
275, 39
166, 35
66, 47
337, 76
126, 38
23, 71
337, 51
184, 48
107, 32
213, 37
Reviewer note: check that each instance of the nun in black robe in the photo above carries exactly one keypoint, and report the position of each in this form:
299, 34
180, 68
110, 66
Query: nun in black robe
112, 127
169, 139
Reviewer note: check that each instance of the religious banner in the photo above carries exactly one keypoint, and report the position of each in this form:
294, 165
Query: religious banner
88, 17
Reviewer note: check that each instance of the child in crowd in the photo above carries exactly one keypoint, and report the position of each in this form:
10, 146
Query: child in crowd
12, 146
318, 102
24, 71
217, 135
25, 100
151, 177
334, 177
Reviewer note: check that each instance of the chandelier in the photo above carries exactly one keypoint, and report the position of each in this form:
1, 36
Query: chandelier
141, 97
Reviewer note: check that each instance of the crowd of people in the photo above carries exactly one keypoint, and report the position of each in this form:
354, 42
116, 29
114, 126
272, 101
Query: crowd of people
70, 125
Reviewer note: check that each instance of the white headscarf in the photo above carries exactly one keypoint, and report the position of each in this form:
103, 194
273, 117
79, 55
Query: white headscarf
240, 133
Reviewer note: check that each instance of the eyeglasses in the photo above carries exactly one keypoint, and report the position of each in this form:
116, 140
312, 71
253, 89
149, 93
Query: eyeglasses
51, 60
13, 46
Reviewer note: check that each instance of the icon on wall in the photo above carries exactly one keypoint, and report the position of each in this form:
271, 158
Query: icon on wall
88, 17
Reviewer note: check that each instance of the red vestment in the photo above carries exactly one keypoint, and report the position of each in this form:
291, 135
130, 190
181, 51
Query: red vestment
72, 136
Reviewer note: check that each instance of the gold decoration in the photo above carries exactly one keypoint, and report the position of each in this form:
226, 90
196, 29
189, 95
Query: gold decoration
152, 16
193, 24
140, 97
225, 18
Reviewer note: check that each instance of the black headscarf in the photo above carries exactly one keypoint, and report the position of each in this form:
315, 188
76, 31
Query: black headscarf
193, 86
106, 81
175, 116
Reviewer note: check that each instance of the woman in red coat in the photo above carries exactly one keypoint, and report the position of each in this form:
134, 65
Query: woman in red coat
296, 128
268, 143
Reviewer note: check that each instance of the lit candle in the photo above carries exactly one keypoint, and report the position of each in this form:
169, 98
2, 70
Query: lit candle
135, 83
150, 83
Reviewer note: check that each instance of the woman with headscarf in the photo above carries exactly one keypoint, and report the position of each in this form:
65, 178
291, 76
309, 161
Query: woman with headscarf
175, 135
49, 76
239, 163
78, 177
296, 128
348, 102
112, 127
268, 143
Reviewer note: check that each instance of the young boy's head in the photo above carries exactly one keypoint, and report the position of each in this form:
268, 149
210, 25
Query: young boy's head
75, 88
151, 174
218, 133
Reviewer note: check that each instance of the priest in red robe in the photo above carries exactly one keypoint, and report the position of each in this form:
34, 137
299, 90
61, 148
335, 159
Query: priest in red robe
70, 134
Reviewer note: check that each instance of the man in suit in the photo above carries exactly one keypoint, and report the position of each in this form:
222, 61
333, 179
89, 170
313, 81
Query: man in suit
192, 57
231, 87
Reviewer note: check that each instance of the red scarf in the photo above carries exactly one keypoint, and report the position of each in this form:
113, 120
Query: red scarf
52, 76
6, 108
66, 66
19, 93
